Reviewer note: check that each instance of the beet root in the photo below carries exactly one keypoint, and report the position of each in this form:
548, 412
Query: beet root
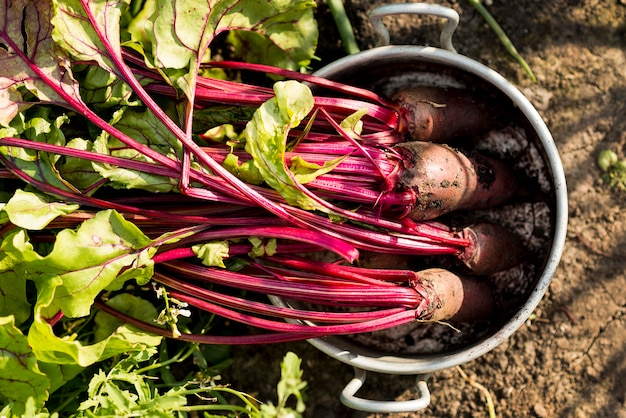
455, 298
492, 248
440, 114
445, 179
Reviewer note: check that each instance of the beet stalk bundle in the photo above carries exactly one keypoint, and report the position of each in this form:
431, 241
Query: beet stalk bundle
335, 299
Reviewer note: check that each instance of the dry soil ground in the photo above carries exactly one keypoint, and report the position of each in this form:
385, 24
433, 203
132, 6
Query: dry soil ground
570, 360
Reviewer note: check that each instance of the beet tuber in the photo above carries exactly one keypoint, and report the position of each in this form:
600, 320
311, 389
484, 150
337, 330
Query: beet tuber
441, 114
492, 248
445, 179
455, 298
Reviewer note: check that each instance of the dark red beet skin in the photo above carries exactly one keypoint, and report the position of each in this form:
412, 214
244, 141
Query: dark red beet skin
444, 180
492, 248
456, 298
440, 114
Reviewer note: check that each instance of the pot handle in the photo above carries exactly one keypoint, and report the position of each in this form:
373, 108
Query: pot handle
376, 15
348, 399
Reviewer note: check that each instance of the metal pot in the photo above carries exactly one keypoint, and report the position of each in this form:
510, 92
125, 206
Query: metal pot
387, 68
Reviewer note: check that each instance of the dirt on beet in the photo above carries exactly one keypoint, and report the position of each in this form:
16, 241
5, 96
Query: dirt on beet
569, 358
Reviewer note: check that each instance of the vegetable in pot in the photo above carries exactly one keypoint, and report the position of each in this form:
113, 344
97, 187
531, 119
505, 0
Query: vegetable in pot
445, 179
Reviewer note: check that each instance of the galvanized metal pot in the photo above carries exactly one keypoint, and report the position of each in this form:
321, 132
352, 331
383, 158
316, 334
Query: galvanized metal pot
388, 68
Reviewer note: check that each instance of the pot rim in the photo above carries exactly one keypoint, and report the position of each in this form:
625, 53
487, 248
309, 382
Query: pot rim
375, 361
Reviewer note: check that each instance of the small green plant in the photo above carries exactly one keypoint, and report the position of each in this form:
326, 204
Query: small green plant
290, 385
141, 385
613, 169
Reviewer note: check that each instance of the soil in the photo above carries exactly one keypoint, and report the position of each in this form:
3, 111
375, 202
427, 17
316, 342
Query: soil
569, 358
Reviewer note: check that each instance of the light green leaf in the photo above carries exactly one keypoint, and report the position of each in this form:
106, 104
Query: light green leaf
13, 131
305, 172
353, 124
103, 90
34, 211
79, 171
266, 136
183, 31
13, 300
246, 171
17, 247
212, 253
224, 133
49, 348
20, 378
90, 260
26, 27
145, 128
134, 306
262, 247
76, 29
43, 127
291, 383
286, 40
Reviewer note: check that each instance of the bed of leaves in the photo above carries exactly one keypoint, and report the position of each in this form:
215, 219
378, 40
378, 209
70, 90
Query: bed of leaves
84, 362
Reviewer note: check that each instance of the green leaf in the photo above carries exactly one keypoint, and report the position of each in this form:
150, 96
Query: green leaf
183, 31
291, 383
262, 247
353, 123
59, 374
212, 253
90, 259
41, 166
104, 90
13, 300
34, 211
138, 26
43, 127
79, 171
49, 348
18, 249
77, 29
288, 39
607, 159
124, 392
246, 171
145, 128
134, 306
20, 378
26, 26
266, 136
216, 116
305, 172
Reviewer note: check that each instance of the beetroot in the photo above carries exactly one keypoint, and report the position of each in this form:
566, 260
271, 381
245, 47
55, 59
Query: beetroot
445, 179
441, 114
